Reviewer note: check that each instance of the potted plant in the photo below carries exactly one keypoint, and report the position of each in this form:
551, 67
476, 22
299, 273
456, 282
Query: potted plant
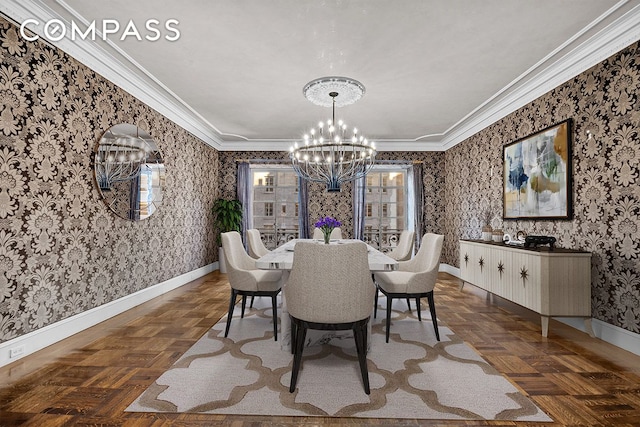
227, 214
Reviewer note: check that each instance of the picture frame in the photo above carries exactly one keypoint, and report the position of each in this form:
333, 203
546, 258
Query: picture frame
537, 175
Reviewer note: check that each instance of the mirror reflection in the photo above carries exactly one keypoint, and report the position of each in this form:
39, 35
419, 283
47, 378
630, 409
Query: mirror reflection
129, 171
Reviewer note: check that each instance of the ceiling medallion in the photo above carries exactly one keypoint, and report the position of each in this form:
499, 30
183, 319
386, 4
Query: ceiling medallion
348, 90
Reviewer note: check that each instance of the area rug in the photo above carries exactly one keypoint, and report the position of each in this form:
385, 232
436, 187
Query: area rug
412, 376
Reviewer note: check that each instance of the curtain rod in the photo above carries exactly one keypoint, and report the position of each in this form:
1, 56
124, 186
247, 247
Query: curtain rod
402, 162
382, 162
262, 160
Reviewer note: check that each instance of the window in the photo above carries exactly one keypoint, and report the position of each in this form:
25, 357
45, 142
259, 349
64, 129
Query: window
269, 184
386, 206
275, 196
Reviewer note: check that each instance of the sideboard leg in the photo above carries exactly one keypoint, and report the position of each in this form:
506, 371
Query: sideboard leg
489, 297
544, 320
588, 328
461, 285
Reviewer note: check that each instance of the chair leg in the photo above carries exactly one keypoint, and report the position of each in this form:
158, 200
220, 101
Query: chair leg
294, 332
409, 304
232, 304
432, 309
244, 303
252, 298
389, 300
418, 308
275, 316
360, 335
301, 333
375, 304
364, 338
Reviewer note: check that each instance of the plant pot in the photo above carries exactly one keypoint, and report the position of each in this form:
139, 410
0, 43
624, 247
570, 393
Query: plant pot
222, 266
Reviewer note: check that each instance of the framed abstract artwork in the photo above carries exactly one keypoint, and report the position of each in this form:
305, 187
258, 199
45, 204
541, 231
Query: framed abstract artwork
537, 180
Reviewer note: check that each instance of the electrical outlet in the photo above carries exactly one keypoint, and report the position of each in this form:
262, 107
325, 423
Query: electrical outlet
16, 351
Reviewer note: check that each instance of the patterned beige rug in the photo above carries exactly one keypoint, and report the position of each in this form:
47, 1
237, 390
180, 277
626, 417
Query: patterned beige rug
413, 376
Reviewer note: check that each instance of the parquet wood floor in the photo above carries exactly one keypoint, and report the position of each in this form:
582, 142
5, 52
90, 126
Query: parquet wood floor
90, 378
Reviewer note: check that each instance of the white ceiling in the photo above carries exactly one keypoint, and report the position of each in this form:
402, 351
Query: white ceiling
435, 71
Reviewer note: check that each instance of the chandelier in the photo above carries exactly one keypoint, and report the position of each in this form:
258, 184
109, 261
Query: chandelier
119, 158
331, 153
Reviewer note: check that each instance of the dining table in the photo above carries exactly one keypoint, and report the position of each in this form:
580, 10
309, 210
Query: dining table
281, 258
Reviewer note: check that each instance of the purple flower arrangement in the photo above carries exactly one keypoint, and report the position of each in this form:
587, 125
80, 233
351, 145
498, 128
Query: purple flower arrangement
327, 224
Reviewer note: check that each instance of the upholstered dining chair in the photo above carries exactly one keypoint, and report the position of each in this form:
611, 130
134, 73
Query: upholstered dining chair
415, 278
257, 248
329, 288
404, 249
336, 233
247, 280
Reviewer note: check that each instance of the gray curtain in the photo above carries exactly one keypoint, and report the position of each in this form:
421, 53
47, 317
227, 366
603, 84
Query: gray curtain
244, 195
418, 195
303, 208
134, 199
359, 187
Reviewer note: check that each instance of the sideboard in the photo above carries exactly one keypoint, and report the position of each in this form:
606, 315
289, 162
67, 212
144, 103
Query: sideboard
551, 282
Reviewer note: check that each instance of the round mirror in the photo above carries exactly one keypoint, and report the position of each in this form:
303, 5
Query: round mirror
129, 171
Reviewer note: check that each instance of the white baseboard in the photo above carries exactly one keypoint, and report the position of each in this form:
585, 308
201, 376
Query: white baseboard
612, 334
446, 268
51, 334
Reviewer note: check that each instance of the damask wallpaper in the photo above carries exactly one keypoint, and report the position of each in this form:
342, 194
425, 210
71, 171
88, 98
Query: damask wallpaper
606, 196
62, 251
339, 205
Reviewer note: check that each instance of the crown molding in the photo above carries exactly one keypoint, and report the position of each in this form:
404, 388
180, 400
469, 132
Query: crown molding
284, 145
543, 77
614, 37
117, 69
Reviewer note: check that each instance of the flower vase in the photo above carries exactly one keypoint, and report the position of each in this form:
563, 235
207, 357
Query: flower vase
326, 225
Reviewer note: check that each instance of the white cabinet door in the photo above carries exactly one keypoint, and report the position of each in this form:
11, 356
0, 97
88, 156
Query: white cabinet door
466, 254
480, 267
500, 269
525, 276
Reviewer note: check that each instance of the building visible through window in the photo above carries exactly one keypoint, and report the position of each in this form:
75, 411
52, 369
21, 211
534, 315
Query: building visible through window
275, 206
386, 206
275, 196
